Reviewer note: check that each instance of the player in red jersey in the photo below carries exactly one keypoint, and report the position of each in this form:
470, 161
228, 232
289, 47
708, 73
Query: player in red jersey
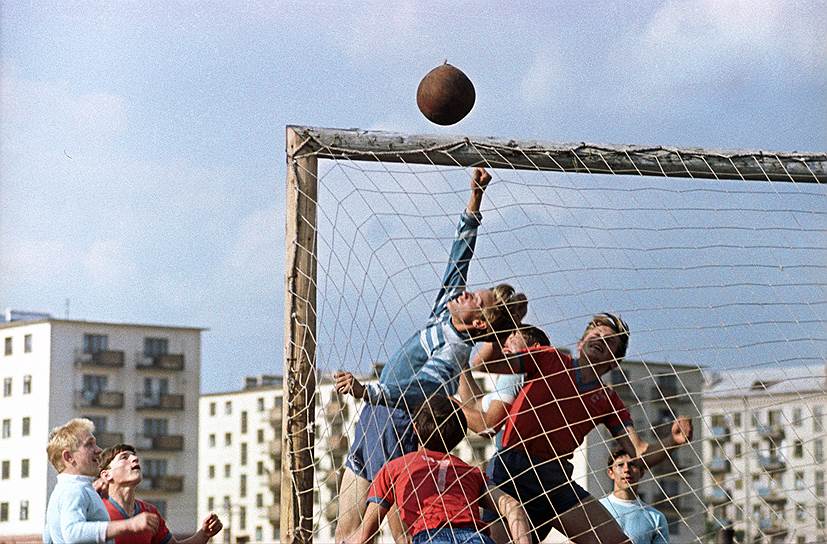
438, 495
120, 468
562, 400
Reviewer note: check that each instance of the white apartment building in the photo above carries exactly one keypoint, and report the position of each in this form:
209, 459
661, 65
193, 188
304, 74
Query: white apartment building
765, 453
240, 448
139, 384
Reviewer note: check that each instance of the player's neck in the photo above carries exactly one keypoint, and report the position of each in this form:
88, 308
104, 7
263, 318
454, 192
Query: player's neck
125, 496
627, 494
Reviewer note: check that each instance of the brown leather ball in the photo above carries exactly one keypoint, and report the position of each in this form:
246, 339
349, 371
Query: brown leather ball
445, 95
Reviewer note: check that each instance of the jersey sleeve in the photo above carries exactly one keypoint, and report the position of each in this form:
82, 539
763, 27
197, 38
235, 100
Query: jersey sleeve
381, 488
618, 416
506, 390
662, 534
462, 250
73, 524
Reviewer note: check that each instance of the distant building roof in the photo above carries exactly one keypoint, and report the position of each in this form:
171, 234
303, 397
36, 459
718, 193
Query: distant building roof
14, 318
777, 380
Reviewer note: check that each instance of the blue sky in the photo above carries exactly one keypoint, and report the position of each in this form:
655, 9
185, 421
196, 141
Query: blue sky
141, 148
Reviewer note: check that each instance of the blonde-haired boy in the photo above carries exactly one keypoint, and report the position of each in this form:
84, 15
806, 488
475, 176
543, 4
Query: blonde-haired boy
76, 513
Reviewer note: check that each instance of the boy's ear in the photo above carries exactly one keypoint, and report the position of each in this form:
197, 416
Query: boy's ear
106, 475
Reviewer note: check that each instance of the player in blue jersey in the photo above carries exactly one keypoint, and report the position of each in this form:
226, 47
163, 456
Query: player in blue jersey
429, 362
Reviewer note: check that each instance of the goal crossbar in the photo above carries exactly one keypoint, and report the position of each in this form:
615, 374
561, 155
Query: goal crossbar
445, 150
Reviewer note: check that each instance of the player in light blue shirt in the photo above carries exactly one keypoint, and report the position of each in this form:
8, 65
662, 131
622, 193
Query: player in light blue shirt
642, 523
76, 514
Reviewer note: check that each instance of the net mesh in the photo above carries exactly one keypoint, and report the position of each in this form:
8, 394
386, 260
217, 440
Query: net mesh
722, 283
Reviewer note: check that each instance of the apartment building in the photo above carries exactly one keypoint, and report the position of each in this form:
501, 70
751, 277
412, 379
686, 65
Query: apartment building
139, 384
765, 453
240, 452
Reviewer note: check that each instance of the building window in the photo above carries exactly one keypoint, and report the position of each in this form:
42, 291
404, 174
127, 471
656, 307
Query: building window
818, 450
243, 456
738, 450
260, 436
27, 426
797, 417
818, 419
800, 512
260, 468
95, 343
156, 426
161, 505
5, 470
228, 439
27, 384
739, 483
154, 467
212, 408
244, 422
242, 485
242, 518
24, 510
154, 347
8, 350
227, 505
819, 483
27, 343
260, 404
6, 428
227, 470
4, 511
259, 500
6, 387
211, 440
228, 408
799, 480
820, 511
24, 468
210, 503
211, 472
259, 534
736, 419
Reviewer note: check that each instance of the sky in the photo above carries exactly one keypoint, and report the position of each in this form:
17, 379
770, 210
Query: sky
142, 144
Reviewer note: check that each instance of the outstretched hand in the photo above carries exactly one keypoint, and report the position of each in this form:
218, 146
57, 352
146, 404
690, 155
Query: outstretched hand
347, 383
211, 525
682, 430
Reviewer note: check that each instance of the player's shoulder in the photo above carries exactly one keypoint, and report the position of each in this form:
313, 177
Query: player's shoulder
147, 507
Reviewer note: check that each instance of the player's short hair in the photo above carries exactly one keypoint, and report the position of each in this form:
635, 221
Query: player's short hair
440, 424
508, 310
620, 328
533, 335
110, 453
66, 437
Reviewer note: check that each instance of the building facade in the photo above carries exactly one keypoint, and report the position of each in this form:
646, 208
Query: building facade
240, 452
139, 384
765, 454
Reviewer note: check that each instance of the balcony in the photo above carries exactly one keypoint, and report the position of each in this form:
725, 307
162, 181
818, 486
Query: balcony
100, 359
98, 399
772, 526
719, 433
161, 442
159, 402
167, 483
717, 496
771, 432
772, 494
772, 463
274, 513
719, 465
274, 447
107, 439
275, 416
167, 361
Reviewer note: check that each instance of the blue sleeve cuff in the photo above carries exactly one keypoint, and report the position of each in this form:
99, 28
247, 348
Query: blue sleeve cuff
471, 219
380, 501
374, 393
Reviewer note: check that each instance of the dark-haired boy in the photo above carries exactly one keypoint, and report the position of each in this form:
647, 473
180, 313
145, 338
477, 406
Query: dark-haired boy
120, 468
642, 523
562, 400
438, 495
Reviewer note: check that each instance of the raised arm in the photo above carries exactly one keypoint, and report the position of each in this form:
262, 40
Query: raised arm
209, 528
486, 413
490, 358
653, 454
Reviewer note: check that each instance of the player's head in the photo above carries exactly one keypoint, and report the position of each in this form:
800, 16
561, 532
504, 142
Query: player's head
488, 311
604, 341
72, 448
624, 470
120, 465
527, 336
440, 424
